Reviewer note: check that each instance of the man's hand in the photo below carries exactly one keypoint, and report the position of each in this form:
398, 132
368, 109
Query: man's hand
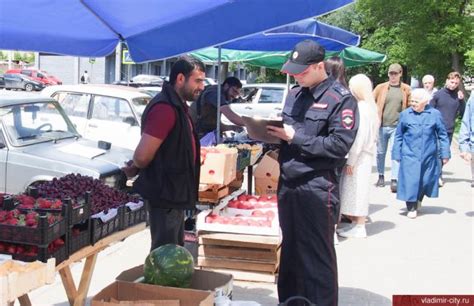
466, 156
349, 170
460, 95
286, 133
130, 169
445, 161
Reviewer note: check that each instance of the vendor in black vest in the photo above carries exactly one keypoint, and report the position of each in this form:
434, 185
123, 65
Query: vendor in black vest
204, 110
167, 157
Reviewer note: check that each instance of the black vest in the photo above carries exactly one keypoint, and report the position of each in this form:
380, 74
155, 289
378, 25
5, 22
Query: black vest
171, 179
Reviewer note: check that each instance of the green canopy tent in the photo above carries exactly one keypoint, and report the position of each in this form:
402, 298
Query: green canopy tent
352, 57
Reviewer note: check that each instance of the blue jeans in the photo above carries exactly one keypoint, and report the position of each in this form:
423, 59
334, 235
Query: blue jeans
386, 136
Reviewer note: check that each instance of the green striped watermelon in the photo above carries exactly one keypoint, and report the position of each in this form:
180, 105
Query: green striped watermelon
169, 265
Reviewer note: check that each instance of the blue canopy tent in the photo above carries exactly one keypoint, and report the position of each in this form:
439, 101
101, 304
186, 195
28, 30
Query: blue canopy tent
285, 38
152, 29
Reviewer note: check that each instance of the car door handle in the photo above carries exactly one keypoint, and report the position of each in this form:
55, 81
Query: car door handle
92, 125
248, 107
278, 108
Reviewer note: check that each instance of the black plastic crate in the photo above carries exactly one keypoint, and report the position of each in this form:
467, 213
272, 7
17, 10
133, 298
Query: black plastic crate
79, 212
134, 217
61, 254
76, 211
79, 236
43, 234
101, 229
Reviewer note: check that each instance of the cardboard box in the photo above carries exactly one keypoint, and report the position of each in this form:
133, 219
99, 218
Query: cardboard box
219, 168
126, 291
18, 278
265, 186
221, 284
268, 167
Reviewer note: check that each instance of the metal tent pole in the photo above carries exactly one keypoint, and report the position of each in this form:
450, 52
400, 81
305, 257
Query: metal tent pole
219, 82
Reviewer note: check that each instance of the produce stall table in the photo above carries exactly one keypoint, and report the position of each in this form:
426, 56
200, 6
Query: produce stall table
77, 296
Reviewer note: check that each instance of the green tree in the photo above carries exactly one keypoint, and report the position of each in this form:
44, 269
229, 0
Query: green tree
425, 36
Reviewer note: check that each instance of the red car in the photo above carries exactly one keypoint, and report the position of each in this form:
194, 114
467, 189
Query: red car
37, 75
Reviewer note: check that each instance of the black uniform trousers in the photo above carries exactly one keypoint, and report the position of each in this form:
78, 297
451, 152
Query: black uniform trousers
166, 226
308, 211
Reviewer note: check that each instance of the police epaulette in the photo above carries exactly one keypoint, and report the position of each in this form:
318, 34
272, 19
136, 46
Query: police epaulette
341, 89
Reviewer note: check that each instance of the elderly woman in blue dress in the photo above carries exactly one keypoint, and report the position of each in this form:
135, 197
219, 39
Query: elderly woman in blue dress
420, 140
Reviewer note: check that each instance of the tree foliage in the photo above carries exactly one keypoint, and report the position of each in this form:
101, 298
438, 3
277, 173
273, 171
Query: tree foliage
425, 36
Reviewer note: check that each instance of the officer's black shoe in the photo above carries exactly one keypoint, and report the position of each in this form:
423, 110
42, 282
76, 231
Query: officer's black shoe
393, 186
381, 181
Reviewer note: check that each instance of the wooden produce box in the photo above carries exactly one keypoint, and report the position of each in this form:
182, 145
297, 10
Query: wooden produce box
212, 193
246, 257
19, 278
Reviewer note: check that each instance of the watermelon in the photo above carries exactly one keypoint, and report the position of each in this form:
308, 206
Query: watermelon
169, 265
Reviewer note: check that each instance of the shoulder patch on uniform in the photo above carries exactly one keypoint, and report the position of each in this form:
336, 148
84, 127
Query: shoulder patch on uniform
341, 89
347, 118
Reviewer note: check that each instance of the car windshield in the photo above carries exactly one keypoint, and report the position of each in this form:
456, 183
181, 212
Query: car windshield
31, 123
140, 104
271, 95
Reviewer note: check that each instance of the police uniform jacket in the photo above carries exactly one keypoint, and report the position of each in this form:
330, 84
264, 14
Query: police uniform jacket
325, 120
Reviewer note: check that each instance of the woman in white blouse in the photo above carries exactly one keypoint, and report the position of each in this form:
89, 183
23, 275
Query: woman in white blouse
355, 183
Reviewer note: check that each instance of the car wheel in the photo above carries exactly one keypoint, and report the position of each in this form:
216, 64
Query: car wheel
29, 87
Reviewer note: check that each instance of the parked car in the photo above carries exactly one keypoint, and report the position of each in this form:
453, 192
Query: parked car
37, 75
151, 90
264, 100
19, 81
103, 112
38, 142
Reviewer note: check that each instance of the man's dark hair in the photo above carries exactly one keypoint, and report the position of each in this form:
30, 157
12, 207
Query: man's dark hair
232, 82
185, 65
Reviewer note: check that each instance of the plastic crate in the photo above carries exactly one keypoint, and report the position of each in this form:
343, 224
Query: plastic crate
43, 255
100, 229
43, 234
79, 214
134, 217
83, 239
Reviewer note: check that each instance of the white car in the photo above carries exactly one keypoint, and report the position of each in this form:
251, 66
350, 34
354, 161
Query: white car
110, 113
262, 100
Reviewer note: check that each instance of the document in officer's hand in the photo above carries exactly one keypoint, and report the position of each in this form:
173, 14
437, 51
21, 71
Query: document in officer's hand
257, 128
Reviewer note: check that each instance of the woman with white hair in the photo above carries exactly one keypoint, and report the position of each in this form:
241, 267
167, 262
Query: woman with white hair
428, 84
420, 140
354, 183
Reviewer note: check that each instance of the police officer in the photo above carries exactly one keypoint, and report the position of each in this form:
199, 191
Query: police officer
320, 125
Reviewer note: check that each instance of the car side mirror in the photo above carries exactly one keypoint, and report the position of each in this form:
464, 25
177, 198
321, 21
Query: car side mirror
130, 120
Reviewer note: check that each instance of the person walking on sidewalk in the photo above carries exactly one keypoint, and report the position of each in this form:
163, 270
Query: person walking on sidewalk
354, 184
428, 84
392, 98
167, 157
320, 125
450, 102
420, 139
466, 135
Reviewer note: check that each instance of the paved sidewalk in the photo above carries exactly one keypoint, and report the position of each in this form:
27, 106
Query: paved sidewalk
432, 254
